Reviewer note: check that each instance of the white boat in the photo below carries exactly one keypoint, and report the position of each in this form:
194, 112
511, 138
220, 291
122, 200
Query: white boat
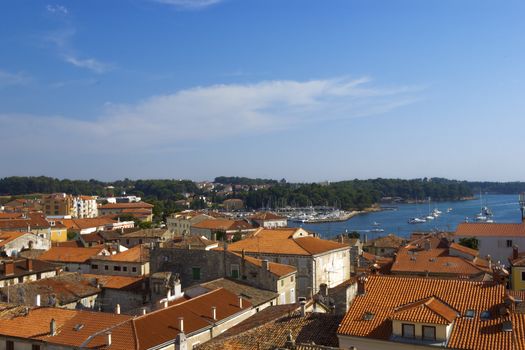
376, 223
449, 210
416, 221
377, 230
429, 217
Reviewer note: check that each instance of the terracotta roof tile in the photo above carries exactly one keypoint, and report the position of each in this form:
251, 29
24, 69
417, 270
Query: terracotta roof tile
386, 293
266, 215
277, 269
118, 282
138, 253
490, 229
428, 310
281, 241
71, 255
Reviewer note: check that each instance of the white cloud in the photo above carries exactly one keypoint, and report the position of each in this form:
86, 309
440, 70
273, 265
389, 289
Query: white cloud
204, 113
57, 9
9, 79
88, 63
190, 4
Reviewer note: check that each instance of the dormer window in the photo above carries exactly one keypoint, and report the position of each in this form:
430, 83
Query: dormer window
485, 315
470, 313
367, 316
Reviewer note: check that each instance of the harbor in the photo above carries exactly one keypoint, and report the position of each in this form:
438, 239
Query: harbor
504, 209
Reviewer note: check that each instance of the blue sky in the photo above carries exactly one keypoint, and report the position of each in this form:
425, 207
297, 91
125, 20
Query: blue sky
305, 90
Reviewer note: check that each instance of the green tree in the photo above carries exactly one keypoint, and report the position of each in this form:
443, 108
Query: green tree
470, 242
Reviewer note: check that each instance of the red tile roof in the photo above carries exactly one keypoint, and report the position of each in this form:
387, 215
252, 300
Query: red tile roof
490, 229
428, 310
280, 270
282, 241
266, 215
386, 293
117, 282
132, 205
138, 253
70, 255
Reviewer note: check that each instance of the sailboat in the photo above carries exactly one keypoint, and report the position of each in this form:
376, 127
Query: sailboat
485, 214
417, 220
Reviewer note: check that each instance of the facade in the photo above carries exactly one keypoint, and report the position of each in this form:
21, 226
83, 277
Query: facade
233, 204
317, 261
391, 312
268, 219
224, 229
13, 242
85, 207
196, 266
180, 223
58, 204
384, 246
517, 270
494, 239
14, 271
90, 225
132, 262
148, 236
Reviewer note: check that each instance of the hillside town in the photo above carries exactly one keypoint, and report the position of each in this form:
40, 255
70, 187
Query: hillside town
89, 272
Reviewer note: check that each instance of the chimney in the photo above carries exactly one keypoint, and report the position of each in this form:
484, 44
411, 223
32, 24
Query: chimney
29, 265
9, 267
514, 251
181, 324
181, 342
266, 265
117, 309
52, 327
165, 304
108, 338
240, 302
243, 254
290, 342
490, 262
426, 245
37, 300
214, 313
341, 239
303, 308
143, 310
361, 281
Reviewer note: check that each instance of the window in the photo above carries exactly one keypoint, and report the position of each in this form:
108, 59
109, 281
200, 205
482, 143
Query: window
9, 345
291, 278
408, 330
470, 313
106, 267
523, 275
134, 269
282, 283
509, 243
196, 273
116, 268
429, 333
485, 315
124, 268
94, 266
234, 270
35, 347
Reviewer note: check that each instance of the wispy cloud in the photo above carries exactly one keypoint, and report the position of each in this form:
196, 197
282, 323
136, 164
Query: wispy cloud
58, 9
9, 79
88, 63
190, 4
203, 113
62, 41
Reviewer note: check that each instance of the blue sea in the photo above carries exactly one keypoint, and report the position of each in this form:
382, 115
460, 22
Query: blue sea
505, 208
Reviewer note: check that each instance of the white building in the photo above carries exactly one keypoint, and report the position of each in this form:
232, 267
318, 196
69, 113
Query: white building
85, 207
494, 239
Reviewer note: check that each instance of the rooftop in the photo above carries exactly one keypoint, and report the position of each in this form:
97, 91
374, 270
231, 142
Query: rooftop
138, 253
460, 295
64, 289
256, 296
131, 205
268, 330
24, 267
71, 254
223, 224
146, 233
117, 282
480, 229
291, 241
266, 215
389, 241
